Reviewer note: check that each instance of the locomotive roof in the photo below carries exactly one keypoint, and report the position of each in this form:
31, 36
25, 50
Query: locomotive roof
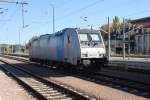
82, 30
87, 31
45, 36
62, 32
50, 35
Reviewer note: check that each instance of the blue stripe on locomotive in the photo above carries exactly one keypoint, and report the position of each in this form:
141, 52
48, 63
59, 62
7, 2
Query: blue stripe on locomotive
59, 48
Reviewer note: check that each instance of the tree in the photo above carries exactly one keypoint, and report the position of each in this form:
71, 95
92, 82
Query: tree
116, 23
113, 27
104, 31
23, 50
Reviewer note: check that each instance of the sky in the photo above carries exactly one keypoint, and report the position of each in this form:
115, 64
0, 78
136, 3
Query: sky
38, 16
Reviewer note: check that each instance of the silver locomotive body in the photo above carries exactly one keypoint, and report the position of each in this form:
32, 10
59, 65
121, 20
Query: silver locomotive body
69, 46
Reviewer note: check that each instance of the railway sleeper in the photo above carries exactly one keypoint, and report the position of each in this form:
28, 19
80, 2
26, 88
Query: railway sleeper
57, 97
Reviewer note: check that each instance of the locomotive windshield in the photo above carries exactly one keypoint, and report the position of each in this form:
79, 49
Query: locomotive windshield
83, 37
90, 39
95, 37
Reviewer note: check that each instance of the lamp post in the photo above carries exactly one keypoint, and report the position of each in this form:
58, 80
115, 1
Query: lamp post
124, 52
109, 49
129, 33
53, 17
19, 31
19, 40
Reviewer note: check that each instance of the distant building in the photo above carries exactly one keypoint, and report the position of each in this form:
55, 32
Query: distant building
144, 22
7, 48
142, 41
117, 41
137, 38
142, 37
3, 48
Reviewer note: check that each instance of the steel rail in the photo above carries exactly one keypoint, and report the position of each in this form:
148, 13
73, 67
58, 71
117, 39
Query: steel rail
76, 95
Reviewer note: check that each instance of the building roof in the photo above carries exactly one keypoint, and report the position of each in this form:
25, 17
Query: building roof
145, 22
143, 31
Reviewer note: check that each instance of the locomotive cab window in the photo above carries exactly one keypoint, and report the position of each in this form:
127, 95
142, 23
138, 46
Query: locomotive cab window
89, 39
95, 37
83, 37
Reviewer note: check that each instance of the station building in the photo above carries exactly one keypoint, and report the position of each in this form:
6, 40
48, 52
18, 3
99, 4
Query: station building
142, 36
117, 41
139, 41
142, 41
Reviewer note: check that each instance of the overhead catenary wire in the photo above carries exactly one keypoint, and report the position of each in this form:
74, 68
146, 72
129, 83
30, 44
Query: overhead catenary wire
137, 13
11, 16
79, 10
22, 3
64, 3
17, 2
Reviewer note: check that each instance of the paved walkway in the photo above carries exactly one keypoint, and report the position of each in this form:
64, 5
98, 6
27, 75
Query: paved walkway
10, 90
139, 63
130, 59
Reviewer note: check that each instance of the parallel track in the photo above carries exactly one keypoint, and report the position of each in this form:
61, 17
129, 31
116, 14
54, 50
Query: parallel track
138, 88
41, 88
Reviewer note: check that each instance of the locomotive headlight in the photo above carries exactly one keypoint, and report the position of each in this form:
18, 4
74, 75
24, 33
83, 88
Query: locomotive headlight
101, 55
84, 55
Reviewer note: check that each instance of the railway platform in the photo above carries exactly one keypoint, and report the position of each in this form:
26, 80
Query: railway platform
10, 90
135, 63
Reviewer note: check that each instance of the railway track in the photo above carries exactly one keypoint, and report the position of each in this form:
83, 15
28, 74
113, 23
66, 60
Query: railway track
132, 70
132, 86
15, 57
41, 88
